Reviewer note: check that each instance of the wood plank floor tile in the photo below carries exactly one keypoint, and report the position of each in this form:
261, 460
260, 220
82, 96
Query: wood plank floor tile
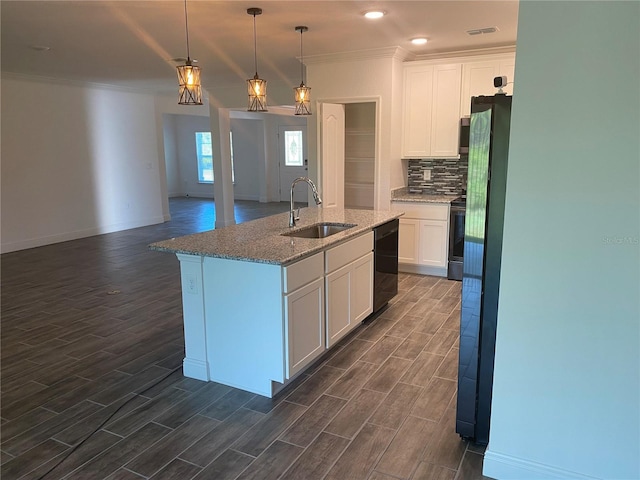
227, 404
352, 380
25, 422
121, 453
433, 401
146, 412
382, 349
431, 322
411, 347
380, 476
441, 342
124, 474
388, 374
155, 457
226, 467
272, 462
63, 464
309, 391
177, 470
260, 436
422, 369
430, 471
47, 429
221, 437
406, 448
32, 459
375, 330
348, 356
313, 421
447, 448
449, 367
471, 467
192, 404
355, 413
316, 460
393, 410
359, 458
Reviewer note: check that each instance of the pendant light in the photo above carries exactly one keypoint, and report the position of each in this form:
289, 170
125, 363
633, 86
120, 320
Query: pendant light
190, 92
302, 93
256, 87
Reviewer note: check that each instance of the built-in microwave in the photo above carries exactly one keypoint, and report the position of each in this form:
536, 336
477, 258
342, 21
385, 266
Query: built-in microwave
465, 123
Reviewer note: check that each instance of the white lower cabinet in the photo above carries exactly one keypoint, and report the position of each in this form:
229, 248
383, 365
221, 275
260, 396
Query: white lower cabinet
423, 238
304, 326
349, 286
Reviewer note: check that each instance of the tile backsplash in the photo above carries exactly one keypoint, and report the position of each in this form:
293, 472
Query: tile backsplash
448, 176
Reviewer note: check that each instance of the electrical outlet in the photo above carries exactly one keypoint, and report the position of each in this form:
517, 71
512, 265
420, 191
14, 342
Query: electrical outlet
191, 284
426, 174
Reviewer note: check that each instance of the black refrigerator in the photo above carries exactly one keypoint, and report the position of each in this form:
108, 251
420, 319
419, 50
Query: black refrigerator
486, 187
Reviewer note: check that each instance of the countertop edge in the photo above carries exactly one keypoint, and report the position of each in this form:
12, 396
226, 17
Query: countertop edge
307, 250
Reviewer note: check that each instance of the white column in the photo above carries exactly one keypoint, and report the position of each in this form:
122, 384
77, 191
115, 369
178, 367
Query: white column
223, 183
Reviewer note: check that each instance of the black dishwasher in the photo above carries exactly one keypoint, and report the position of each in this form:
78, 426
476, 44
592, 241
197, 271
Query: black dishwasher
385, 263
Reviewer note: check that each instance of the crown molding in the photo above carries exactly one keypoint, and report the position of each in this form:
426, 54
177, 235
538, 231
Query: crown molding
458, 54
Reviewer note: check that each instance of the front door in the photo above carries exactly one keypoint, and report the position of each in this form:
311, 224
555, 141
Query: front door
292, 148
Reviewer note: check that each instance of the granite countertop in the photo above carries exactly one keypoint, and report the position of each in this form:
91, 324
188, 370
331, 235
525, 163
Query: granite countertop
262, 241
404, 195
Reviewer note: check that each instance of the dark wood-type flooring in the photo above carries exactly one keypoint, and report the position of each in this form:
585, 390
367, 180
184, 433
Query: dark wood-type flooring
92, 345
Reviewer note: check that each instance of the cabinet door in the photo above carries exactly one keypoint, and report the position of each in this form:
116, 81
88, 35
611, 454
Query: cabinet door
408, 241
433, 239
304, 320
445, 119
361, 289
416, 111
338, 293
477, 79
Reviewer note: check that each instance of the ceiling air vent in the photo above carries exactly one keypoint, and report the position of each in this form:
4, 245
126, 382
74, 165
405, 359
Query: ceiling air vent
481, 31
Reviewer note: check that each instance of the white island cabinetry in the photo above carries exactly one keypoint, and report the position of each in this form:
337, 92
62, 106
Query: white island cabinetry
349, 286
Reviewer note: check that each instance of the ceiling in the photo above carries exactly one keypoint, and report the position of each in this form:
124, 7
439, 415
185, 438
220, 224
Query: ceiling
132, 43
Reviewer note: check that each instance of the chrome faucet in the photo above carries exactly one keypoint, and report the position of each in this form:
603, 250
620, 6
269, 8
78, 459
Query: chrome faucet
292, 215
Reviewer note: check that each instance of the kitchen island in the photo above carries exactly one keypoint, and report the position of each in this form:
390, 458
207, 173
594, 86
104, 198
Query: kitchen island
260, 305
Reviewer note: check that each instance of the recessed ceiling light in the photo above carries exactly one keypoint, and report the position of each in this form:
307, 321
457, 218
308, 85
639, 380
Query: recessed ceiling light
419, 41
373, 14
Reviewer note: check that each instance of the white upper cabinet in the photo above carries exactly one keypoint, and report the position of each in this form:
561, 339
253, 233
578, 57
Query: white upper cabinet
431, 110
477, 78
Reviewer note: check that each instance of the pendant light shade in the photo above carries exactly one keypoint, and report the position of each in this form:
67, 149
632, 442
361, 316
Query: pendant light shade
256, 87
190, 92
302, 93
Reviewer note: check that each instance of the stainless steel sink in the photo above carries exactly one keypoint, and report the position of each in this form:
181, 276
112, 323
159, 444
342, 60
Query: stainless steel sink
320, 230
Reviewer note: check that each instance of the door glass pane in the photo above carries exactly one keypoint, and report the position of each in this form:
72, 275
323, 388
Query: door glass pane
293, 148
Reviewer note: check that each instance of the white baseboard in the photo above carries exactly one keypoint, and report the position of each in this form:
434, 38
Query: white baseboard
195, 369
506, 467
422, 269
77, 234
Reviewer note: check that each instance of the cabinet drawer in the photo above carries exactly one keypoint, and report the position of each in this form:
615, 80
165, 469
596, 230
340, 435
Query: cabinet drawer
341, 255
302, 272
422, 212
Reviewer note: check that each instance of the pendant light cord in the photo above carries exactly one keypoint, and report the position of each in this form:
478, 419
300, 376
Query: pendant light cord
186, 29
255, 44
301, 59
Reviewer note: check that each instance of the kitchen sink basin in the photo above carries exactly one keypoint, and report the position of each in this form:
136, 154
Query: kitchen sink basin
320, 230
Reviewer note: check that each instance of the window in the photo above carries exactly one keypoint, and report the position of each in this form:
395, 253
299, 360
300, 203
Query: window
205, 157
293, 148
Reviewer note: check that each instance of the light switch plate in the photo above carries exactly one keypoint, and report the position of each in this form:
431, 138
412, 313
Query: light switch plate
426, 174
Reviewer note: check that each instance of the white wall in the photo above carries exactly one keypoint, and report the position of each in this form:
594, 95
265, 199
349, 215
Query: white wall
182, 160
365, 79
76, 161
567, 369
248, 158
